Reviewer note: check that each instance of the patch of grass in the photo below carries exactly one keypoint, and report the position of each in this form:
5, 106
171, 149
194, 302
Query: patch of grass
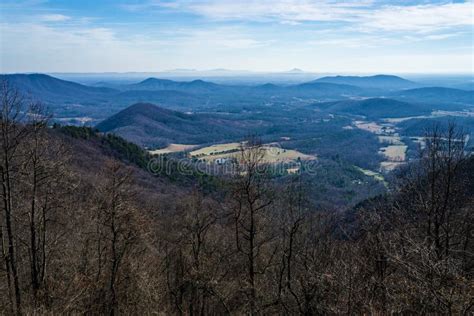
272, 154
394, 153
172, 148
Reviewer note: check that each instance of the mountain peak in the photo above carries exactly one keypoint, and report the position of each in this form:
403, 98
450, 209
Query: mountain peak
296, 70
154, 80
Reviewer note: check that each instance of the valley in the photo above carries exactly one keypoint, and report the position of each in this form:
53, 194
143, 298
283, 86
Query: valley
358, 129
271, 153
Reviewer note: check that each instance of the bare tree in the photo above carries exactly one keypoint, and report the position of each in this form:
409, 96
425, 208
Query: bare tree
432, 225
12, 136
251, 200
115, 235
196, 252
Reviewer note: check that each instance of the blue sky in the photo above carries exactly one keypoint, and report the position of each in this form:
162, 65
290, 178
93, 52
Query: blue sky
365, 36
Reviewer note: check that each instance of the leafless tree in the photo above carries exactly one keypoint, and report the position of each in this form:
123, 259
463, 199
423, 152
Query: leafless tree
115, 235
251, 200
13, 134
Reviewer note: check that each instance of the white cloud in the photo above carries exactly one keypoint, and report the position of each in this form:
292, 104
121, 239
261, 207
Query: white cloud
287, 10
421, 18
369, 37
54, 18
49, 47
366, 15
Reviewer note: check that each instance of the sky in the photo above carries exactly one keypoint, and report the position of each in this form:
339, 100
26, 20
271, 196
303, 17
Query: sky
325, 36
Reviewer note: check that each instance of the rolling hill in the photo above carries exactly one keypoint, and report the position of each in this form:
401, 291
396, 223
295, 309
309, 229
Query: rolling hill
385, 82
49, 88
438, 95
376, 108
152, 126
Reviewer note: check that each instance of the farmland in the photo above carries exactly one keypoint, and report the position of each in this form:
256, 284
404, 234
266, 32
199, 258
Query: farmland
215, 150
394, 152
391, 140
394, 149
173, 148
271, 153
373, 174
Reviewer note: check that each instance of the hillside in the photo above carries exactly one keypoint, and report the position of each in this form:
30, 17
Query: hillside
438, 95
376, 108
386, 82
105, 214
420, 126
149, 125
52, 89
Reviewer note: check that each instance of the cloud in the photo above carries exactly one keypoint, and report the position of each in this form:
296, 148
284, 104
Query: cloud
54, 18
438, 37
366, 15
322, 35
42, 48
287, 10
421, 18
46, 47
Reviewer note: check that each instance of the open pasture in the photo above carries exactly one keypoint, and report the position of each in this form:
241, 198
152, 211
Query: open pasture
394, 153
270, 153
173, 148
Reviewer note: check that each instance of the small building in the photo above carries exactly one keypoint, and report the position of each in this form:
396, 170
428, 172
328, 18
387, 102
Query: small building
221, 161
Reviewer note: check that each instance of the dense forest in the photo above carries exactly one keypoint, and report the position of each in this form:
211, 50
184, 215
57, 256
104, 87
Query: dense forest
86, 228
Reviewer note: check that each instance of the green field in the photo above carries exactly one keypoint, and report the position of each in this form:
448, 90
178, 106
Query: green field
172, 148
271, 154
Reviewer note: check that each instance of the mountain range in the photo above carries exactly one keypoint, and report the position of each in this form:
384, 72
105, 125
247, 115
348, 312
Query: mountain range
154, 84
70, 99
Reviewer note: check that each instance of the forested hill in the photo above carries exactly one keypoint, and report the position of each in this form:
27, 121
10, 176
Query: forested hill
150, 125
49, 88
385, 82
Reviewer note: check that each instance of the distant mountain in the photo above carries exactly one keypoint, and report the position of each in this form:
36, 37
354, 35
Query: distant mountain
68, 99
154, 84
224, 92
376, 108
149, 125
47, 88
437, 95
266, 88
386, 82
296, 70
